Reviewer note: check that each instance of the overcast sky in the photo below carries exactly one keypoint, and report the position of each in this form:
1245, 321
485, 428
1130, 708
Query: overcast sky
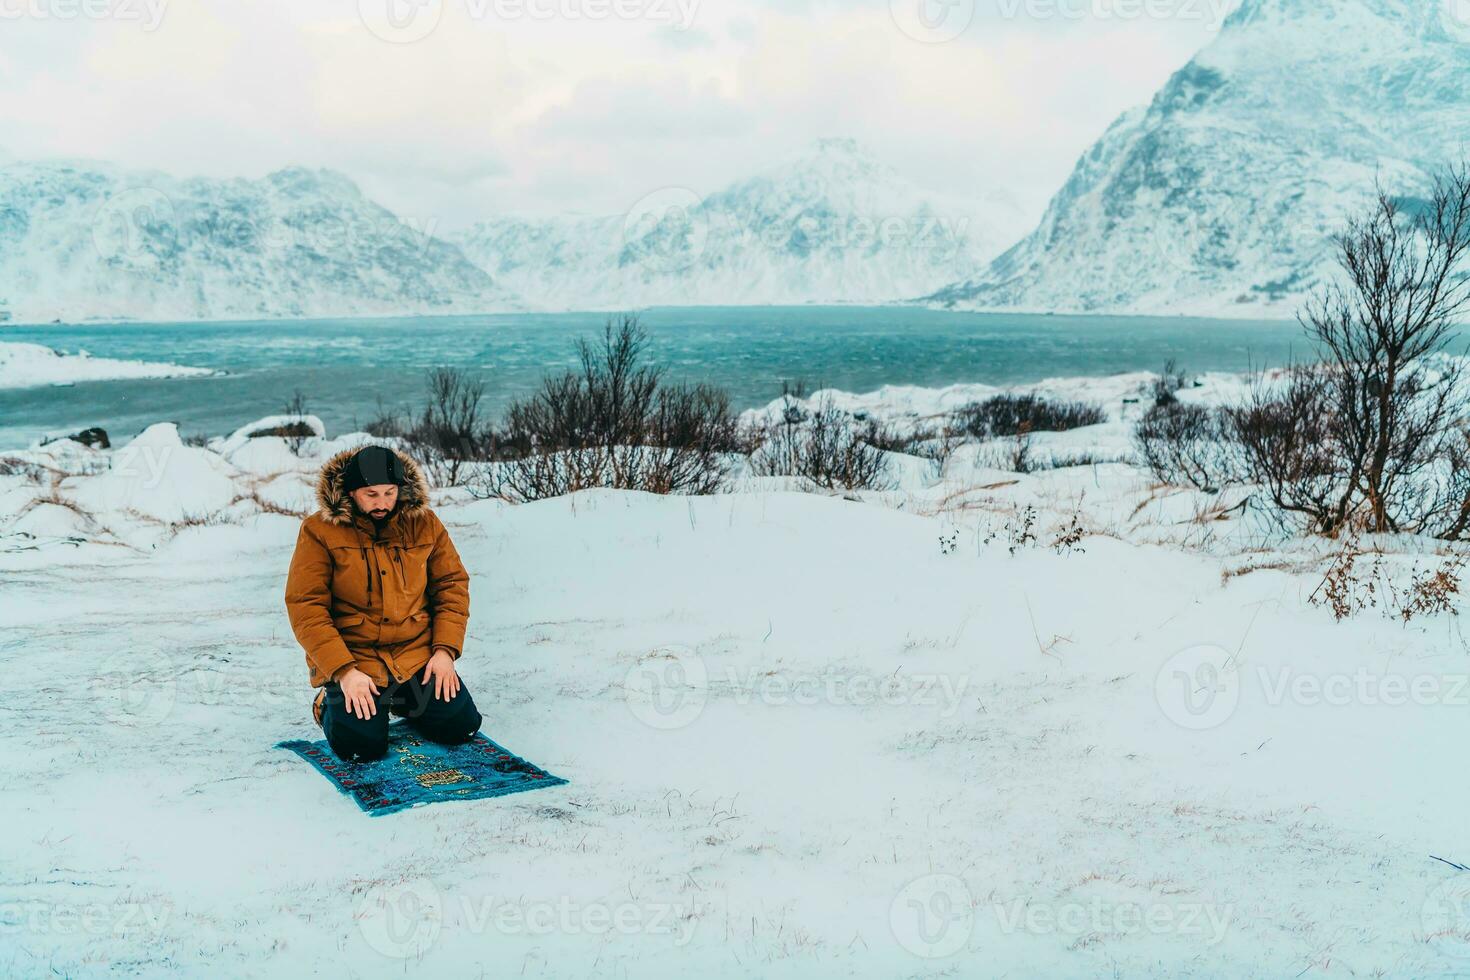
452, 110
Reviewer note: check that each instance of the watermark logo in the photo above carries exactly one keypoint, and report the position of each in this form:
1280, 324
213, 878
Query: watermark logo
1202, 236
937, 237
401, 21
666, 231
132, 226
1201, 687
1456, 17
933, 916
401, 921
1446, 918
668, 689
1198, 688
136, 687
932, 21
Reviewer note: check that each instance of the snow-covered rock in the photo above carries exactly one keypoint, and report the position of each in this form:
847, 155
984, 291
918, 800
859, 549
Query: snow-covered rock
66, 456
830, 225
85, 240
157, 477
291, 492
1220, 197
260, 448
32, 366
263, 456
51, 522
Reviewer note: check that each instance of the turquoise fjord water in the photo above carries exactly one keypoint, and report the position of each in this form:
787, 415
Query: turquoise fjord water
346, 368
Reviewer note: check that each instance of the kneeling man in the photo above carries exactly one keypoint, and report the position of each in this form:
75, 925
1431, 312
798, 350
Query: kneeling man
379, 600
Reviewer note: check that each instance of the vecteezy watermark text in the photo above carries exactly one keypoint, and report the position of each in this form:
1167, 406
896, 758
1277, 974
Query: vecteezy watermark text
850, 690
408, 21
404, 921
1201, 687
147, 13
668, 688
935, 916
1211, 12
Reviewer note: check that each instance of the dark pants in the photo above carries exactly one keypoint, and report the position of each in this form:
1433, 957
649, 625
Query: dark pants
357, 740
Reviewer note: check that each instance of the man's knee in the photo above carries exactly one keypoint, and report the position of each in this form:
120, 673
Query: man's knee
358, 745
354, 739
448, 722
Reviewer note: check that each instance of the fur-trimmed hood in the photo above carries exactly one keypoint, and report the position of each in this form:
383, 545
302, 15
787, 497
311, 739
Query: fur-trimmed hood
335, 506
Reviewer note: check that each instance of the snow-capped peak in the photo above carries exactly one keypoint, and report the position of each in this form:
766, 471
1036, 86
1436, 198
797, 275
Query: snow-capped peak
1221, 196
84, 240
830, 223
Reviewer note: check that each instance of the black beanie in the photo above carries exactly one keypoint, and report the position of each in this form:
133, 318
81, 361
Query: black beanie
371, 467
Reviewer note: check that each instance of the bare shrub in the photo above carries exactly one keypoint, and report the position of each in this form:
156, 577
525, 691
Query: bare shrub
1068, 461
1431, 593
1452, 503
939, 446
388, 423
267, 506
451, 430
1352, 585
15, 466
1019, 530
690, 433
1286, 433
1068, 539
613, 423
1166, 386
1187, 445
1020, 452
926, 442
215, 518
1389, 409
1009, 415
1345, 589
295, 433
934, 443
824, 446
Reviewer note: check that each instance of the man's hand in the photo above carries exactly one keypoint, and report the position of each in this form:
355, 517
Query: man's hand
441, 671
360, 693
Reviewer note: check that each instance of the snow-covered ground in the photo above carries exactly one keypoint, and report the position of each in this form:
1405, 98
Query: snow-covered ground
805, 735
33, 365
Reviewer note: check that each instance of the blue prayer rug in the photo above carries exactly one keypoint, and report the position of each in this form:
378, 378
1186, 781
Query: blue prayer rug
417, 772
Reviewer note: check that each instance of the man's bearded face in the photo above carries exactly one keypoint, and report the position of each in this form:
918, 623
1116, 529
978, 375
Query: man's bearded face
378, 501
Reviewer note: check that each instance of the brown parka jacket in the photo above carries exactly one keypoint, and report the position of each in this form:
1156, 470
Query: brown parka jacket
378, 600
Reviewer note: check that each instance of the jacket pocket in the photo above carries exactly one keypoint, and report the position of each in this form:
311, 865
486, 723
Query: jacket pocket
348, 627
350, 576
415, 570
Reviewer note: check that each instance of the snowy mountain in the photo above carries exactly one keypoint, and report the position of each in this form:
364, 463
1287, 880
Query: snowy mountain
1219, 197
90, 241
831, 225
